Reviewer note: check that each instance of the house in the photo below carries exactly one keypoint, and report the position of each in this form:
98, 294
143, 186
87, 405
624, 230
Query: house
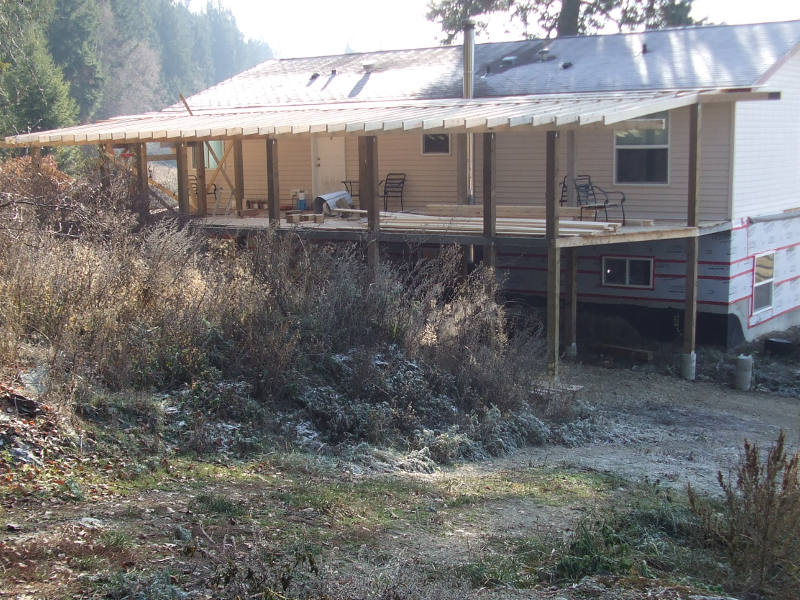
698, 126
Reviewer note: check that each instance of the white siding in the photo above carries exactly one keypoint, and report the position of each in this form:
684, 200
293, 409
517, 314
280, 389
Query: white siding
766, 172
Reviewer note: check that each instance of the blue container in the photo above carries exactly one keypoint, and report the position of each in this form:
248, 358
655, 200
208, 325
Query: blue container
301, 204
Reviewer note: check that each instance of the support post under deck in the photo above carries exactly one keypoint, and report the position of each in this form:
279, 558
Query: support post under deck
368, 193
688, 356
273, 185
238, 175
489, 198
553, 258
183, 181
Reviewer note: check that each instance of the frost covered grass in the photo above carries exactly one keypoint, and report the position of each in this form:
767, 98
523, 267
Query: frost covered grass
282, 337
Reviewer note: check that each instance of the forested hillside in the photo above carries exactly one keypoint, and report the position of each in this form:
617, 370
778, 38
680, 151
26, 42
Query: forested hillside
69, 61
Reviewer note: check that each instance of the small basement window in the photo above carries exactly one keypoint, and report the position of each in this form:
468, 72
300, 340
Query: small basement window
642, 155
436, 143
763, 278
623, 271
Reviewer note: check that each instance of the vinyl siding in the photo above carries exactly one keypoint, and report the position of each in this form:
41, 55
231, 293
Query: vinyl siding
595, 150
520, 167
766, 172
294, 166
429, 178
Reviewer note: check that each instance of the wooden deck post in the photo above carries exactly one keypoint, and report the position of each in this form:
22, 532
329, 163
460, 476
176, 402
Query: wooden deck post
461, 167
183, 181
105, 172
36, 159
273, 185
688, 357
553, 258
368, 193
572, 168
489, 198
572, 305
238, 175
143, 184
200, 170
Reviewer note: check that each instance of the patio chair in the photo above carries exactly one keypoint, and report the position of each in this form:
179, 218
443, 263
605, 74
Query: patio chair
393, 188
593, 197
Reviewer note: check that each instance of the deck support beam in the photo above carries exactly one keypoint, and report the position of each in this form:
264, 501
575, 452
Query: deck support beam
200, 170
238, 176
142, 184
368, 194
183, 181
273, 185
553, 258
489, 198
688, 357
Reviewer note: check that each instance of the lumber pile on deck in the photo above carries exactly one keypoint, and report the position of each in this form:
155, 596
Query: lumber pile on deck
523, 211
505, 226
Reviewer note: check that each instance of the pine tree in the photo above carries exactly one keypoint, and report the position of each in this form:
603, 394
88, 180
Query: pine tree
72, 40
33, 93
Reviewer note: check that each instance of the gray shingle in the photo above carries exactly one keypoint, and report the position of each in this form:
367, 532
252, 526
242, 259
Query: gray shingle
687, 58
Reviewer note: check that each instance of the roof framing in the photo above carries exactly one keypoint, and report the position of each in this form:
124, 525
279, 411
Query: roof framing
552, 111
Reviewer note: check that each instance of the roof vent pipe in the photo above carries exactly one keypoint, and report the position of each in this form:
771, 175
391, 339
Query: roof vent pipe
469, 81
469, 58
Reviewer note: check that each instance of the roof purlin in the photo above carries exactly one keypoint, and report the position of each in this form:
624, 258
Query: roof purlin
426, 115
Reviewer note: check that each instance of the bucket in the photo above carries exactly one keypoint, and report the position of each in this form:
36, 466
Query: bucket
743, 375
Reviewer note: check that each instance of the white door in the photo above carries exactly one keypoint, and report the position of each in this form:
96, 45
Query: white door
327, 164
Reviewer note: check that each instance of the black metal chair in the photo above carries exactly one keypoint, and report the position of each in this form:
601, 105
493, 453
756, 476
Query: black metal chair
393, 188
352, 187
564, 192
593, 197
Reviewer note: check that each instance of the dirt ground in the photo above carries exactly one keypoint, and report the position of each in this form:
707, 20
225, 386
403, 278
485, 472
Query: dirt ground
656, 427
643, 427
638, 424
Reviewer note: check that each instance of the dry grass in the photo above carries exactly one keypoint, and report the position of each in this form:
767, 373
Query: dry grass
108, 305
758, 526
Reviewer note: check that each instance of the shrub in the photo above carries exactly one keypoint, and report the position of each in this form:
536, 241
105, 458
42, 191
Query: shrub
759, 524
284, 323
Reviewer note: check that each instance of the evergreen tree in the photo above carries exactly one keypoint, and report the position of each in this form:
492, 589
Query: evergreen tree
72, 38
567, 17
33, 93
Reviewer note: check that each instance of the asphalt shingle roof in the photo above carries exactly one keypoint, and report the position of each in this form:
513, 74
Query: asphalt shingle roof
680, 58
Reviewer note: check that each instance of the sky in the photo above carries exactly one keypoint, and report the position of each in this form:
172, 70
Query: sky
295, 28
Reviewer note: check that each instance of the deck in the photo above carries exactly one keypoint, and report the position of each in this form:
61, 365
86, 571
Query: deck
418, 228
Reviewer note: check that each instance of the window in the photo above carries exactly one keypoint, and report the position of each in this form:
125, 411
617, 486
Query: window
642, 155
763, 272
219, 149
619, 271
436, 143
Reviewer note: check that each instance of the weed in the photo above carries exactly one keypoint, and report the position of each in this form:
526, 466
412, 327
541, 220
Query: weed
758, 525
219, 505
